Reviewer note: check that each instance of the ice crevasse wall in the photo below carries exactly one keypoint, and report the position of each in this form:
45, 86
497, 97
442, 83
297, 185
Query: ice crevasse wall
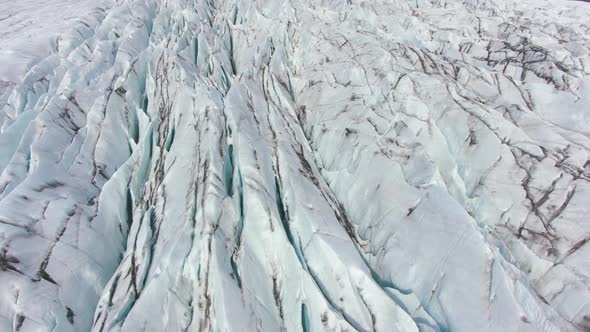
197, 165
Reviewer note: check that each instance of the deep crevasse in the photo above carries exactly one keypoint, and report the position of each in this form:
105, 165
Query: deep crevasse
301, 165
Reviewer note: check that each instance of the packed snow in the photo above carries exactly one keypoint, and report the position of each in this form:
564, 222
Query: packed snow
315, 165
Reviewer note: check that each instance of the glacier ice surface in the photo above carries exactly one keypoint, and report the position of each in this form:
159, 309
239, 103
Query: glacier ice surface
318, 165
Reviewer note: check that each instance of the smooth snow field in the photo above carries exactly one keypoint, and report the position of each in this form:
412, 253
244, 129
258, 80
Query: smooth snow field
294, 165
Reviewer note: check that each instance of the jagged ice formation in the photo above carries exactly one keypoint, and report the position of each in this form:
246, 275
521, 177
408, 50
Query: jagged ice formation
314, 165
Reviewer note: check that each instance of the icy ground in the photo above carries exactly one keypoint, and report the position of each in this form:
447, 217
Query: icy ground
298, 165
30, 30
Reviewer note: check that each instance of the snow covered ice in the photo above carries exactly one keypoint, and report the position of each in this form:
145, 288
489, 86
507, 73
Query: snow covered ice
295, 165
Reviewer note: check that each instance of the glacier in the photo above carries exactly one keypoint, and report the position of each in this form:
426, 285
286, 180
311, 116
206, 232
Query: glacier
282, 165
